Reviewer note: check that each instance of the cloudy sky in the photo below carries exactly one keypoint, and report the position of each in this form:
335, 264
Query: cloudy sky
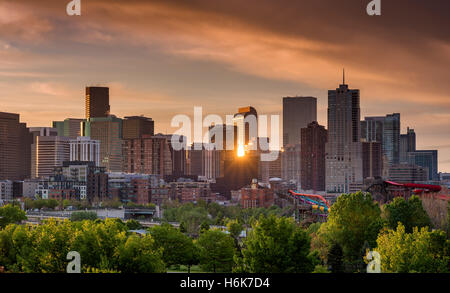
162, 57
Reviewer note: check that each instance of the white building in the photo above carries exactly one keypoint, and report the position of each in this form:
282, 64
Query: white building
85, 149
6, 191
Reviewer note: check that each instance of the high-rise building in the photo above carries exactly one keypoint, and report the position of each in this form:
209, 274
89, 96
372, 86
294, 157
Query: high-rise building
407, 144
43, 131
70, 127
148, 155
109, 132
15, 148
97, 102
344, 158
391, 138
48, 152
298, 112
372, 129
246, 121
427, 159
194, 164
372, 155
270, 170
313, 141
291, 163
136, 126
178, 156
406, 173
384, 129
85, 149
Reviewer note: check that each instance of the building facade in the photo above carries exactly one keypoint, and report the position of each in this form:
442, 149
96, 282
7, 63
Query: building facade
109, 132
148, 155
47, 153
344, 158
85, 149
70, 127
313, 141
405, 173
137, 126
298, 112
97, 102
372, 156
427, 159
15, 148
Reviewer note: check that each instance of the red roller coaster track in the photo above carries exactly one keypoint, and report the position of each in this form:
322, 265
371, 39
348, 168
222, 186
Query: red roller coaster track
420, 189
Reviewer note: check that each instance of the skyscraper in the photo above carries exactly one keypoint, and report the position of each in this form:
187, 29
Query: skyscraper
48, 152
246, 121
344, 158
298, 112
291, 163
42, 131
109, 132
384, 129
372, 156
391, 138
148, 155
136, 126
407, 144
15, 148
97, 102
70, 127
426, 159
313, 141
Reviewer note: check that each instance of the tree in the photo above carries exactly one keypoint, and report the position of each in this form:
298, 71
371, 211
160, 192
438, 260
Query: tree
138, 255
235, 229
276, 245
420, 251
83, 215
448, 219
177, 247
353, 220
204, 226
133, 225
408, 212
334, 257
11, 214
216, 251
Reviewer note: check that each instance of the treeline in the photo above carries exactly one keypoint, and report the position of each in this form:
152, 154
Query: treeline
193, 217
52, 204
399, 231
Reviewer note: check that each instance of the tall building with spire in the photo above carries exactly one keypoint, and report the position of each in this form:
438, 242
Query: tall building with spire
343, 149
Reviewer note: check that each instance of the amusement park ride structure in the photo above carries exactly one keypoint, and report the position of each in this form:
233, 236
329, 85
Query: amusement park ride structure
383, 191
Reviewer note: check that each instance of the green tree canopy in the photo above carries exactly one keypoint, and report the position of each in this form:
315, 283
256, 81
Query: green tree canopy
353, 220
420, 251
11, 214
408, 212
177, 247
83, 215
216, 251
276, 245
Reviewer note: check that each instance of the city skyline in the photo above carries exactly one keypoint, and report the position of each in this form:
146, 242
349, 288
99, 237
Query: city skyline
159, 59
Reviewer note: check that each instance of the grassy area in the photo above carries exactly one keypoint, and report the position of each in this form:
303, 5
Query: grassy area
184, 269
